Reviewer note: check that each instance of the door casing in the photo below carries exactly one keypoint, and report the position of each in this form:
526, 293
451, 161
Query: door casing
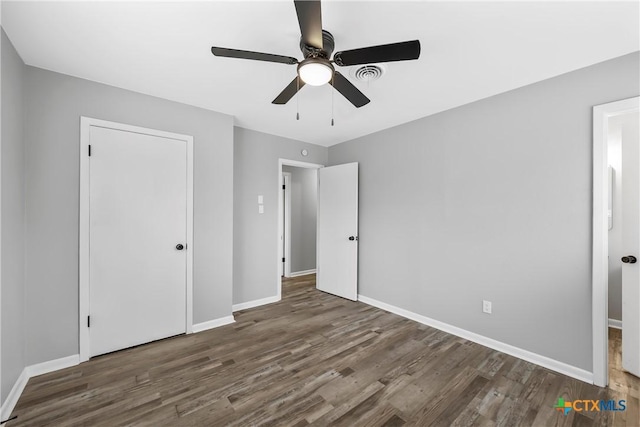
286, 216
84, 301
600, 247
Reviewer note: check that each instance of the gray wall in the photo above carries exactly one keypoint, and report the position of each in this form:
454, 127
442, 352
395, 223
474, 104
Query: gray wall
304, 210
491, 200
54, 104
255, 250
13, 220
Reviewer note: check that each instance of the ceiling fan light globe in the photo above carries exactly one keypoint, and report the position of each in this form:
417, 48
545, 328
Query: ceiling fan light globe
315, 73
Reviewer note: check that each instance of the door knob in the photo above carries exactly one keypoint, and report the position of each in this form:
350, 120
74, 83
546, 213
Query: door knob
629, 259
179, 246
353, 237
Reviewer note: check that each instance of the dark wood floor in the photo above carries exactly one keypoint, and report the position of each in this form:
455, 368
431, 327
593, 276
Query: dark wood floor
622, 383
315, 359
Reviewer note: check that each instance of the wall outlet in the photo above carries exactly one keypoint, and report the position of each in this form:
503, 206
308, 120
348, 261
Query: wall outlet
260, 209
486, 306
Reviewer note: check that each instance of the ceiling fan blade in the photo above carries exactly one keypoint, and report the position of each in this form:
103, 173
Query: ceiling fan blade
257, 56
348, 90
310, 20
402, 51
289, 91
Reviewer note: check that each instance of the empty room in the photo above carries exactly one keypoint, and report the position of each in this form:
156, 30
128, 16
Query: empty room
289, 213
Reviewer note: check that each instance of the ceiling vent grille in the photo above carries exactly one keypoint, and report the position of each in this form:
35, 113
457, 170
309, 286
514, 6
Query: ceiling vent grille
368, 73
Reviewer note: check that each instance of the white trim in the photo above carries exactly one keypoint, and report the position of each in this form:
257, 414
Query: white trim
615, 324
199, 327
600, 233
30, 372
303, 273
255, 303
189, 243
53, 365
287, 162
299, 164
538, 359
84, 298
83, 249
286, 179
2, 418
14, 395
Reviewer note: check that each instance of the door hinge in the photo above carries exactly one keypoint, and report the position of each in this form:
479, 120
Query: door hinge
284, 187
88, 321
283, 259
89, 151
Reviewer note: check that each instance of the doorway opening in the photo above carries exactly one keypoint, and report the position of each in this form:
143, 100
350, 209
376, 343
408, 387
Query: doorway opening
616, 231
297, 219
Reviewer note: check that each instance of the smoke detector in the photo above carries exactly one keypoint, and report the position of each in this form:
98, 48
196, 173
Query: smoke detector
368, 73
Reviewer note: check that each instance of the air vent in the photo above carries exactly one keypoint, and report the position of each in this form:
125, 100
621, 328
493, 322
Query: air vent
368, 73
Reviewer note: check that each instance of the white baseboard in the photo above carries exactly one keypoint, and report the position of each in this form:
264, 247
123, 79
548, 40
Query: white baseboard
303, 273
199, 327
616, 324
53, 365
255, 303
30, 372
546, 362
14, 395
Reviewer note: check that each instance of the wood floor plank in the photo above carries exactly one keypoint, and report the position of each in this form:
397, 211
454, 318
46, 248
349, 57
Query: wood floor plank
316, 359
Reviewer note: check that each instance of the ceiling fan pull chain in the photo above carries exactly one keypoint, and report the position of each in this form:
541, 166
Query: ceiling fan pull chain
332, 90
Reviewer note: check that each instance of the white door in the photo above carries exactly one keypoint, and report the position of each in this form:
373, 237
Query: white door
631, 244
337, 246
137, 215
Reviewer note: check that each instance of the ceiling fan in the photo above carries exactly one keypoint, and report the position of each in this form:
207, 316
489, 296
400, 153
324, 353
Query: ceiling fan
317, 67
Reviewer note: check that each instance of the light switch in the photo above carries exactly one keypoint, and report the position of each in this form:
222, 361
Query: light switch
260, 199
260, 208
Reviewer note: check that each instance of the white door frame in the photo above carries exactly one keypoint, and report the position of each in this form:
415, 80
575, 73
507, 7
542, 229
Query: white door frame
286, 180
600, 252
84, 300
299, 164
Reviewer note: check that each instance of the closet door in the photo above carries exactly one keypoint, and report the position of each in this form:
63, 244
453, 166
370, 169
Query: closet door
137, 238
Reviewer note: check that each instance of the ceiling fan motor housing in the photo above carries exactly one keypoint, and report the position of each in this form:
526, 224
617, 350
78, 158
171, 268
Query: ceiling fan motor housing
328, 44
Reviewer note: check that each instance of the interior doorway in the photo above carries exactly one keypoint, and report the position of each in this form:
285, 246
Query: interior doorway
297, 219
616, 240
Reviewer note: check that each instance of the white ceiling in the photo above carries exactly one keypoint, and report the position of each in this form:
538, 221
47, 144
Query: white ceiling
470, 50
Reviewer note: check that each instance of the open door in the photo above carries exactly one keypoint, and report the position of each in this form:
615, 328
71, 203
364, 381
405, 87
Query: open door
337, 242
631, 244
